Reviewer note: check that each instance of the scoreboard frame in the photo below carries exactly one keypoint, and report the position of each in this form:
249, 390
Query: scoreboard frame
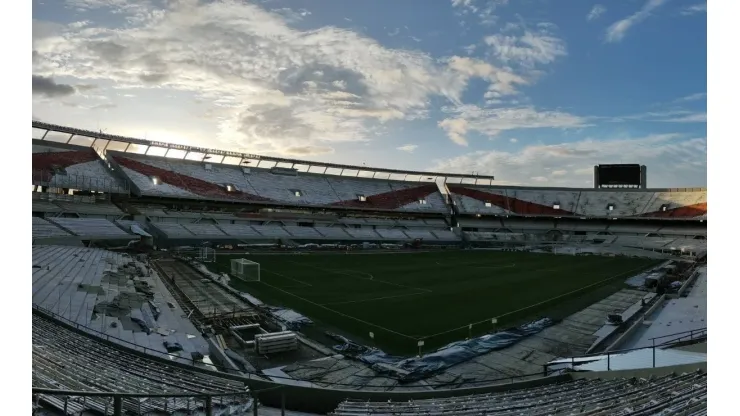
620, 176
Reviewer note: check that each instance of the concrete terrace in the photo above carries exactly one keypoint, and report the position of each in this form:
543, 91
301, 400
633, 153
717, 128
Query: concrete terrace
102, 291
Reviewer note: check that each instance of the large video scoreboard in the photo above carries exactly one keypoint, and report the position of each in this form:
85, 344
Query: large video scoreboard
620, 176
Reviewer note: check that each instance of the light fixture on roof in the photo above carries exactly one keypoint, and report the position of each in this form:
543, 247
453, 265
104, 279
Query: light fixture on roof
610, 207
155, 180
556, 205
361, 198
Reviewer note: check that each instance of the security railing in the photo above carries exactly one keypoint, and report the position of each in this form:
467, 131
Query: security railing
658, 343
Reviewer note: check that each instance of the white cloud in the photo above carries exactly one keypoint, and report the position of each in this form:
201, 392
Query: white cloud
671, 160
694, 9
514, 140
618, 30
693, 97
408, 148
528, 50
502, 82
670, 116
595, 12
276, 89
490, 122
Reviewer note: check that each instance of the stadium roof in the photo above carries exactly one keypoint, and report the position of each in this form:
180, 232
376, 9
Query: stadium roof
251, 160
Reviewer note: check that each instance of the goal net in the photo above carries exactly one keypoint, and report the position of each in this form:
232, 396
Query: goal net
245, 269
206, 255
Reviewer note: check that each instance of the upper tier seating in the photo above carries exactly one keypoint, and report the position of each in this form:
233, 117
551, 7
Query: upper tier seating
91, 227
189, 179
67, 360
66, 166
683, 393
579, 203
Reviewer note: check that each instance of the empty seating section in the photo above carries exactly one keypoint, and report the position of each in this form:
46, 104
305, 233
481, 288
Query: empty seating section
76, 167
391, 234
272, 231
92, 209
623, 204
146, 185
42, 228
239, 230
445, 235
204, 230
302, 232
39, 205
333, 232
304, 189
678, 393
67, 360
189, 179
173, 230
583, 203
423, 234
91, 227
541, 202
362, 233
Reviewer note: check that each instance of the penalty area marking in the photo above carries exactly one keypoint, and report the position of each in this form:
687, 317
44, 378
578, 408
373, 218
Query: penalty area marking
353, 274
339, 313
305, 284
345, 302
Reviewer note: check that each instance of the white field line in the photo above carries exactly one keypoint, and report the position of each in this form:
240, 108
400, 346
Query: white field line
305, 284
496, 267
536, 304
338, 313
374, 299
354, 275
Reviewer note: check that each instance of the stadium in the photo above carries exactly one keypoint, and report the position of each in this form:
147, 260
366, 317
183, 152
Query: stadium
170, 279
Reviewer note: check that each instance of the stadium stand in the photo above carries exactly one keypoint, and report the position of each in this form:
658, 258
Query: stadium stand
583, 203
240, 230
43, 228
91, 227
173, 230
333, 232
90, 209
204, 230
637, 396
188, 179
68, 166
69, 360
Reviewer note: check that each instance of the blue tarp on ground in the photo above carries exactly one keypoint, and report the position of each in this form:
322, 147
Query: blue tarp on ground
417, 368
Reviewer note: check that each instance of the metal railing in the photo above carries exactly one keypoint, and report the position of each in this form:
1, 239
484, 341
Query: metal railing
118, 404
675, 338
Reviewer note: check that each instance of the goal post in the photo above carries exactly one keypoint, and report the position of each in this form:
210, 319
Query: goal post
246, 270
206, 255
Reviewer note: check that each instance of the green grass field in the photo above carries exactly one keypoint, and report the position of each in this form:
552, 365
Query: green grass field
404, 297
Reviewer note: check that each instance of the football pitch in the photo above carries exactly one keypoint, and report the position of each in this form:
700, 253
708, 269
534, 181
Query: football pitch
432, 296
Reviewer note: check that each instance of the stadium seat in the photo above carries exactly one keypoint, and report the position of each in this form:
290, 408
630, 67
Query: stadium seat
616, 396
67, 166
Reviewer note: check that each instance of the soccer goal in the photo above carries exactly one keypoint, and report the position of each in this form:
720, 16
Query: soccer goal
245, 269
206, 255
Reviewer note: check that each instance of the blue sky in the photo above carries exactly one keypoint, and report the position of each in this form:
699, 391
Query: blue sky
535, 92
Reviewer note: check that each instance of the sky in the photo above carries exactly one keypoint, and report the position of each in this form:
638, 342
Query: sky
534, 92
